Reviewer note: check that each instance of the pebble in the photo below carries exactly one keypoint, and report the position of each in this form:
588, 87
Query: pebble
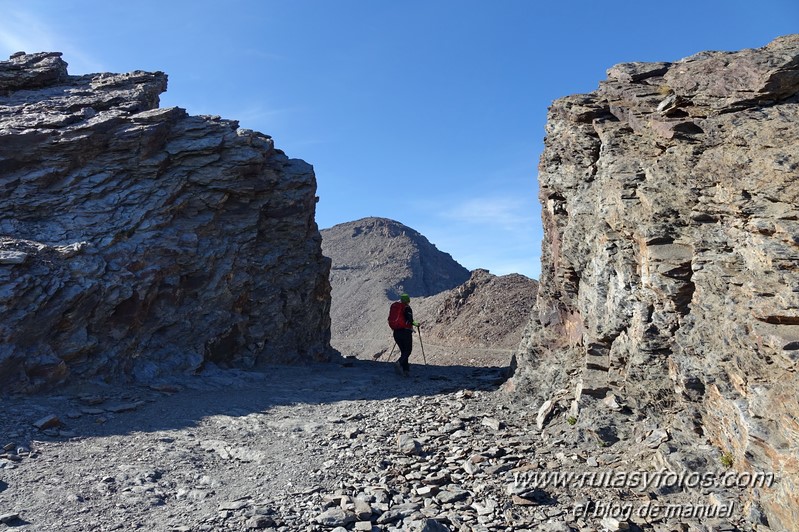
521, 501
259, 522
47, 422
543, 413
92, 399
335, 517
492, 423
453, 495
427, 490
611, 402
431, 525
470, 467
397, 512
655, 438
8, 518
233, 505
408, 445
362, 510
124, 407
611, 524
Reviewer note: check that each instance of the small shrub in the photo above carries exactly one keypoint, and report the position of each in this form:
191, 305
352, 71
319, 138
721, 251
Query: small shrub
571, 420
726, 460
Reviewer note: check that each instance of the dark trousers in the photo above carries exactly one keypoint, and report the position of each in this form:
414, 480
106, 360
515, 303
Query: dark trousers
404, 339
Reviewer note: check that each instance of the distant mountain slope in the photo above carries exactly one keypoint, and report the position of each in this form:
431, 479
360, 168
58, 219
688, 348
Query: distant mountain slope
375, 260
485, 311
466, 318
393, 255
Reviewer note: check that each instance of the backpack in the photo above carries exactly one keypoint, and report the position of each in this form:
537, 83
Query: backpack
396, 316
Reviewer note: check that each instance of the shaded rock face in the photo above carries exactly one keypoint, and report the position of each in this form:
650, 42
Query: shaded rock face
670, 267
138, 241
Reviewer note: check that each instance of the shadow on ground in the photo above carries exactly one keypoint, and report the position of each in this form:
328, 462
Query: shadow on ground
97, 409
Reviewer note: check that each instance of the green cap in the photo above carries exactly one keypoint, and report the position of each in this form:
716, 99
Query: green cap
405, 298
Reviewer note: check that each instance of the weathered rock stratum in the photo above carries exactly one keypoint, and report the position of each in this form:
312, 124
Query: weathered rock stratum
670, 268
139, 241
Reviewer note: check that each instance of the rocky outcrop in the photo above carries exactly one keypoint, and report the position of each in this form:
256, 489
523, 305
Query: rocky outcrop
671, 258
136, 240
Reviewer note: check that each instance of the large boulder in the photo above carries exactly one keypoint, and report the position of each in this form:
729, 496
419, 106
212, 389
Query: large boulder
670, 267
138, 241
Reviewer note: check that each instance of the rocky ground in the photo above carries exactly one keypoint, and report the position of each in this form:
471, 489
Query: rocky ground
346, 446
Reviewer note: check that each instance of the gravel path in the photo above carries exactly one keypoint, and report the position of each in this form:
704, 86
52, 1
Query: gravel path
327, 447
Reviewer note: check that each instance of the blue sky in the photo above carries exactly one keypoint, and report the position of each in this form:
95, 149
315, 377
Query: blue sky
428, 112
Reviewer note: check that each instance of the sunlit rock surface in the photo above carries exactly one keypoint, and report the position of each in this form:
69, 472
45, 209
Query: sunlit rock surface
670, 269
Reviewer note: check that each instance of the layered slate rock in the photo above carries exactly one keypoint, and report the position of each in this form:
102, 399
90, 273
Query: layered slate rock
138, 241
670, 268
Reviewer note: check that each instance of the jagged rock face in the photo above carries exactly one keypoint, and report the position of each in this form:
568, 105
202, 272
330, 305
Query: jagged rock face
137, 241
671, 254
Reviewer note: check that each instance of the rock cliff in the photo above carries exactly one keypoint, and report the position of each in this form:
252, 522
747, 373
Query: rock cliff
137, 241
670, 264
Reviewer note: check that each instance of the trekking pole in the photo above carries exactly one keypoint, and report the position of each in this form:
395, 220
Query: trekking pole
380, 354
421, 344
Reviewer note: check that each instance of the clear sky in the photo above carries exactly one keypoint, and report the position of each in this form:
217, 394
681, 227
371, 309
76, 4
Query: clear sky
430, 112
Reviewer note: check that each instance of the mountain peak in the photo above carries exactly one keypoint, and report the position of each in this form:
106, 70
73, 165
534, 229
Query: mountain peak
393, 255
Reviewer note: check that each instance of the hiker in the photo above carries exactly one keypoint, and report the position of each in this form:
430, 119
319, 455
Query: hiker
400, 319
